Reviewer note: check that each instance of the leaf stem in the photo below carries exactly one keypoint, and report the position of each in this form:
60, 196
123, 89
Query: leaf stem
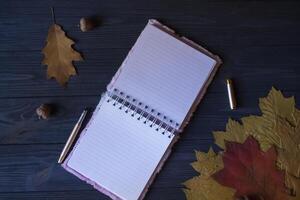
53, 15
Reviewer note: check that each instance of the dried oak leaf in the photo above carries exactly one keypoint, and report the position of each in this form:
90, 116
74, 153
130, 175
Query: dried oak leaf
204, 187
251, 171
59, 55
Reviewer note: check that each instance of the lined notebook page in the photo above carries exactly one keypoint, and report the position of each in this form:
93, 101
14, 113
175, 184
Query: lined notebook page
164, 72
118, 152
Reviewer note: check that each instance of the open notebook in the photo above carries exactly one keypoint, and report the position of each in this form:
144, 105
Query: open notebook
146, 105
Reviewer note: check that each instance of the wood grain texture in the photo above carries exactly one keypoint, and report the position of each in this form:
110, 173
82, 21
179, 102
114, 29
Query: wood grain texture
258, 41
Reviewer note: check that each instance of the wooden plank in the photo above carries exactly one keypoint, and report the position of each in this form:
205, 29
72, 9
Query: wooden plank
21, 74
252, 46
20, 124
24, 75
154, 193
28, 168
56, 195
214, 23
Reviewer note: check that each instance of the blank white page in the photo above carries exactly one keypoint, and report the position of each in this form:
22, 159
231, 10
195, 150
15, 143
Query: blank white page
118, 152
164, 73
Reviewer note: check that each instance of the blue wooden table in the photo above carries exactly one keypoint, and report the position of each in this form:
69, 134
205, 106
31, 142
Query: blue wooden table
259, 43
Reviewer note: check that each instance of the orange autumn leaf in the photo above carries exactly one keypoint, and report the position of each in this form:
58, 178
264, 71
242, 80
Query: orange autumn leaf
59, 55
252, 172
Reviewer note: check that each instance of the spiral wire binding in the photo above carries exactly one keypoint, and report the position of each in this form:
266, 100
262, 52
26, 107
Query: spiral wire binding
142, 112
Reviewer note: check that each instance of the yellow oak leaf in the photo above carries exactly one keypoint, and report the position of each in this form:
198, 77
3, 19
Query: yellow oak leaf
59, 55
207, 163
206, 188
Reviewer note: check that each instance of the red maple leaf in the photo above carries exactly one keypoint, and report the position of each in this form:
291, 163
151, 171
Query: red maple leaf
252, 172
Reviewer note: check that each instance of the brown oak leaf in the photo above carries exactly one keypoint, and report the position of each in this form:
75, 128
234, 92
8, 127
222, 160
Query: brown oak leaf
59, 55
252, 172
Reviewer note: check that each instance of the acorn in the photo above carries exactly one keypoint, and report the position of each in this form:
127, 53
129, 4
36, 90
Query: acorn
44, 111
86, 24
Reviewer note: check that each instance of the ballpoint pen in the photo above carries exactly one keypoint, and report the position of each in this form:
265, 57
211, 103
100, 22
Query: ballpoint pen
72, 137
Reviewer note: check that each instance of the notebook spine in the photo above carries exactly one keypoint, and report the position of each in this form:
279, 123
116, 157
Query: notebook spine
143, 113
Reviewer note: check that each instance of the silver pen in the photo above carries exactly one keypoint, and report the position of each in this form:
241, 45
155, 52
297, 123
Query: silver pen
72, 137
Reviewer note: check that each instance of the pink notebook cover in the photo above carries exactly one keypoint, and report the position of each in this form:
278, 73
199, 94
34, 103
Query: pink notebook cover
182, 124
